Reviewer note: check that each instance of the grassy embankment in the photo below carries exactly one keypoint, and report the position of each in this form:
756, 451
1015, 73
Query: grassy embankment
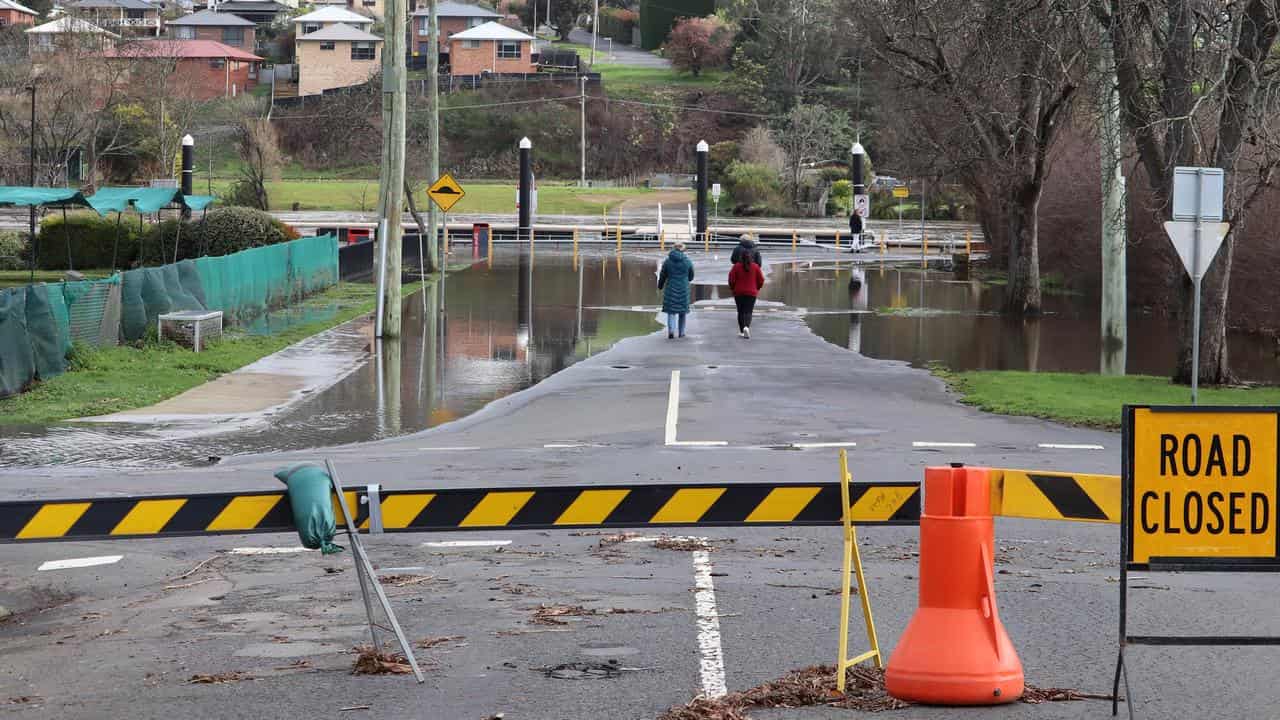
1085, 399
106, 380
362, 194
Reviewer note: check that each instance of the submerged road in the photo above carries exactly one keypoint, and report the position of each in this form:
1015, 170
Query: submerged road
125, 637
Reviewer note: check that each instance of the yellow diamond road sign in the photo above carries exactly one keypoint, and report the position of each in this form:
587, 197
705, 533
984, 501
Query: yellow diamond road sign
445, 192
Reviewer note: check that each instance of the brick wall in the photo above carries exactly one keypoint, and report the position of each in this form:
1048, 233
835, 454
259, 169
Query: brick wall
215, 34
13, 17
200, 80
465, 61
320, 70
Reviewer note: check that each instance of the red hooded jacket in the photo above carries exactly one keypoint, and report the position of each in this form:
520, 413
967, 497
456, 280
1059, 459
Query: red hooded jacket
745, 281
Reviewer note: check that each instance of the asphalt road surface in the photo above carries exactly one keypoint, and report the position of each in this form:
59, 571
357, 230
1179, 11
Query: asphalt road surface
526, 614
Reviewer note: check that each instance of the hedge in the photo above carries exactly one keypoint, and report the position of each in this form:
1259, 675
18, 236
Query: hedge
92, 240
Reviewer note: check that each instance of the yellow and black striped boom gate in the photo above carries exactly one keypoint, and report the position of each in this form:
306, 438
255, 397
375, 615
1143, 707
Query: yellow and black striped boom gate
1043, 495
534, 508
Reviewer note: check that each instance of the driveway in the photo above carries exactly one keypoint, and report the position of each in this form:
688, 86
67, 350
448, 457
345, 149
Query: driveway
612, 51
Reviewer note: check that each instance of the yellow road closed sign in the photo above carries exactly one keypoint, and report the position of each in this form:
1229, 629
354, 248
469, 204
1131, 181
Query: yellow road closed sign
901, 191
1202, 484
445, 192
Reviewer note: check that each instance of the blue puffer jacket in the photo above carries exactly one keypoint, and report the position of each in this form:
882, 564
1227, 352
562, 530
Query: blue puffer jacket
677, 272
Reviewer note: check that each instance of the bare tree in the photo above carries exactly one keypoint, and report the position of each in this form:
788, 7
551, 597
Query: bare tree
260, 151
983, 89
1198, 83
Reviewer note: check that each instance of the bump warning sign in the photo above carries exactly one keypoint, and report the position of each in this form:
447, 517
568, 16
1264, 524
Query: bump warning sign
1202, 484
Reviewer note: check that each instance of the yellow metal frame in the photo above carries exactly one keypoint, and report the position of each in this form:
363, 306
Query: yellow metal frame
852, 562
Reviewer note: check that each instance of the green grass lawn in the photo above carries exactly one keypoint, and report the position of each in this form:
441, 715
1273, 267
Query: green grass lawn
107, 380
480, 198
1085, 399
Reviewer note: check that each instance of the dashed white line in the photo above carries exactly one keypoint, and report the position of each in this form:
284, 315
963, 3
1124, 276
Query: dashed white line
921, 444
809, 445
1070, 446
698, 443
704, 598
466, 543
266, 550
79, 562
565, 446
673, 407
450, 449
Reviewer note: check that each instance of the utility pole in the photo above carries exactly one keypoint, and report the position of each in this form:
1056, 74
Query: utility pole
595, 31
31, 181
1114, 323
391, 181
582, 107
433, 130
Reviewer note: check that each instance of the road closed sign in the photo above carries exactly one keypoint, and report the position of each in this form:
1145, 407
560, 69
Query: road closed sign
1202, 485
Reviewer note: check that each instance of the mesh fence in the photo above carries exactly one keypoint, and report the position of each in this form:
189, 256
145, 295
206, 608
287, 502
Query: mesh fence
39, 323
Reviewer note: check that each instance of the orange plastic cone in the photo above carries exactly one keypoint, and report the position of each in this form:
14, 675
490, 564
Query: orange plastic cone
955, 651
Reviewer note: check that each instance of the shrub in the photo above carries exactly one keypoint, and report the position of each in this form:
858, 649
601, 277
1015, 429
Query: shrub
755, 189
698, 44
13, 250
840, 199
92, 240
222, 231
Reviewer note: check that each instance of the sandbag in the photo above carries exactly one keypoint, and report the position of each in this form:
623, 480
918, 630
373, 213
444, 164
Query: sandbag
310, 493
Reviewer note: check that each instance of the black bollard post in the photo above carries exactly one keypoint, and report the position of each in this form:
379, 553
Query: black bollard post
703, 150
188, 174
525, 198
861, 202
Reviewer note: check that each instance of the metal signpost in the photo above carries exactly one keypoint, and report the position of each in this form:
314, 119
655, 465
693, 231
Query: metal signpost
445, 192
715, 198
1197, 197
901, 192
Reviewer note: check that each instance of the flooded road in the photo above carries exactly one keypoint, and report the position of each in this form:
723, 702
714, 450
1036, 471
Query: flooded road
489, 331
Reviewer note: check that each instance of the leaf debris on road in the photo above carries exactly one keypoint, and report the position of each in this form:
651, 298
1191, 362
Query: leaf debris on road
371, 661
219, 678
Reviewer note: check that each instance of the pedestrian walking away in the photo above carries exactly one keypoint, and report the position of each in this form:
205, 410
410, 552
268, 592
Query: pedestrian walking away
745, 280
855, 231
673, 281
746, 246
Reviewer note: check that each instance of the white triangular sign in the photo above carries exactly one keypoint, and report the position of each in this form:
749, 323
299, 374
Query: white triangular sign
1183, 235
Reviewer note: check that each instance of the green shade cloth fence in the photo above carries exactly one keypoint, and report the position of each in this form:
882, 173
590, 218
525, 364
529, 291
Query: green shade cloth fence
144, 199
39, 322
20, 196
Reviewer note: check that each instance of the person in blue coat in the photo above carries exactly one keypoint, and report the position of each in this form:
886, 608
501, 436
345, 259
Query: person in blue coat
673, 281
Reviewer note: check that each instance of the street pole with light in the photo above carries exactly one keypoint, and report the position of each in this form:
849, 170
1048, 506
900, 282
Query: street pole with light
861, 204
703, 150
595, 31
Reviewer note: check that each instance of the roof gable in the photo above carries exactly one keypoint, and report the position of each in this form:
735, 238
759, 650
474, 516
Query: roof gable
211, 18
490, 31
457, 10
333, 14
11, 5
340, 31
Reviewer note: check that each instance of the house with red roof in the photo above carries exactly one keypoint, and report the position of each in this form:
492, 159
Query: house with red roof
13, 13
202, 69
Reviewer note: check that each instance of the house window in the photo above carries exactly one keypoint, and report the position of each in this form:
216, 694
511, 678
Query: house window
362, 51
135, 14
326, 45
424, 25
217, 63
233, 36
370, 3
4, 22
310, 28
475, 22
508, 51
184, 32
471, 44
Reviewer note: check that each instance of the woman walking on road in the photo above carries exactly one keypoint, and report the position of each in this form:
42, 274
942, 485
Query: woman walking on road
745, 280
673, 281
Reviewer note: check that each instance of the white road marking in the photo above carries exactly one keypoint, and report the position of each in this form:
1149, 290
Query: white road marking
460, 447
1070, 446
807, 445
673, 417
565, 446
466, 543
920, 444
704, 598
79, 562
673, 406
266, 550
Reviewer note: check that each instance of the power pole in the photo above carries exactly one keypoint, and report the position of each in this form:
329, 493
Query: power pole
582, 106
595, 31
433, 130
1114, 324
391, 182
31, 178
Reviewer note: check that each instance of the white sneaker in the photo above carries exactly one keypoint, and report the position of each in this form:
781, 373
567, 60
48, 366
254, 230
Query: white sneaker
746, 333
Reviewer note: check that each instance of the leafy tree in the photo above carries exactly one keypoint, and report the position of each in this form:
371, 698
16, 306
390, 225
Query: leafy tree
696, 44
787, 47
809, 134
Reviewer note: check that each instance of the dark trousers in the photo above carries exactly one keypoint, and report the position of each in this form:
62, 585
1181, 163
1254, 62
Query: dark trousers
746, 305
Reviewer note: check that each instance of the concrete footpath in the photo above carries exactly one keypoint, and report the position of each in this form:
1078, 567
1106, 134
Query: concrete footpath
268, 634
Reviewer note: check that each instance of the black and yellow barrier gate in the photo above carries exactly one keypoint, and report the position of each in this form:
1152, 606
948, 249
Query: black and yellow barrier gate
377, 510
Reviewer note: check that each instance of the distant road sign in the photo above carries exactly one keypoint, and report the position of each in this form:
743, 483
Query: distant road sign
901, 191
715, 191
445, 192
1202, 485
862, 205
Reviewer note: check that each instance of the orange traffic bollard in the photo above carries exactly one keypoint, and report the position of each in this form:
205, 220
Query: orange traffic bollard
955, 651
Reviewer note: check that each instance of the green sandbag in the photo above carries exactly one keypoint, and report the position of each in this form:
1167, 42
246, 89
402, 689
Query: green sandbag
310, 490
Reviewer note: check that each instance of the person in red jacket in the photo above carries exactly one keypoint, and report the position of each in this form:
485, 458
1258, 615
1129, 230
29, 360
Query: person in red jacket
745, 280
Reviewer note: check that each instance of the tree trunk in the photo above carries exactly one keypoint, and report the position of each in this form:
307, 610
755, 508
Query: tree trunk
1024, 251
1213, 322
429, 261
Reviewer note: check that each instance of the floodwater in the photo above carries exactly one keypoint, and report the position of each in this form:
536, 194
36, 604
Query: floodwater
489, 331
